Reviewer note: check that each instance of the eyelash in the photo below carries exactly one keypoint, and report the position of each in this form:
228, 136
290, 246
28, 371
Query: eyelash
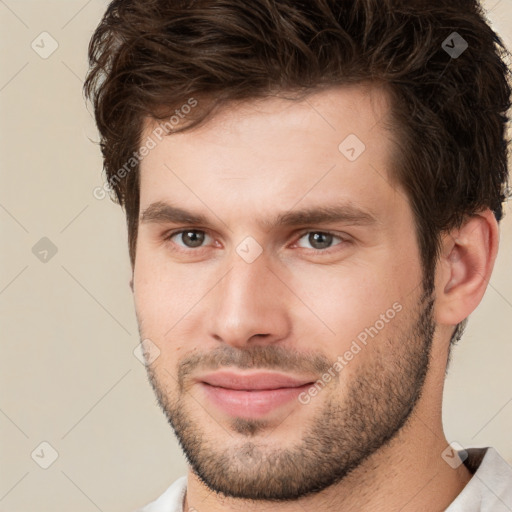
344, 241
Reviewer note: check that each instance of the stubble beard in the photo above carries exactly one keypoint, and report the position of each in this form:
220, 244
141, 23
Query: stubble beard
374, 407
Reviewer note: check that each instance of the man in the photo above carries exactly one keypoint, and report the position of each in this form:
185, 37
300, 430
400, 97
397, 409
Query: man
312, 191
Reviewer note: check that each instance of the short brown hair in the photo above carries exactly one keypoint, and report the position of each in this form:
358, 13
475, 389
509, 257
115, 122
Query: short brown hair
149, 57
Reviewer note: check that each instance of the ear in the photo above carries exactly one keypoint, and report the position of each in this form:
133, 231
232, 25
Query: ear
465, 267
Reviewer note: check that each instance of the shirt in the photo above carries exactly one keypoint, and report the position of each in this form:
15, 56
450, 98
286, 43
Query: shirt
489, 490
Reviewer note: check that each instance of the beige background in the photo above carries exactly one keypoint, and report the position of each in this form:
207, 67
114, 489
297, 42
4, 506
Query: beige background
68, 373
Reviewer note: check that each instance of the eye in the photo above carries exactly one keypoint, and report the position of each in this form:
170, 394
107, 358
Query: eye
320, 240
190, 238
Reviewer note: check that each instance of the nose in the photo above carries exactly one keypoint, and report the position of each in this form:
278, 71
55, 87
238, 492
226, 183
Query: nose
249, 305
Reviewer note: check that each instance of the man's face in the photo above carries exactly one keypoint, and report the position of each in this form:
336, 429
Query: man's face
334, 304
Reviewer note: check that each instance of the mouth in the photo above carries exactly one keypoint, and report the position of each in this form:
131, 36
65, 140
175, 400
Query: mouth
251, 395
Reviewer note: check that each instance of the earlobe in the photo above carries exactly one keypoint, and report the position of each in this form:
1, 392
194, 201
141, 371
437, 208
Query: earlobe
465, 267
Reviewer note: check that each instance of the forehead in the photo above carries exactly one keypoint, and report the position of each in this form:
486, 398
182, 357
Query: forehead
338, 107
268, 155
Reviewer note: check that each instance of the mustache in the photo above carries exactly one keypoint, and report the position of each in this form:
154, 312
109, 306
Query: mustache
262, 357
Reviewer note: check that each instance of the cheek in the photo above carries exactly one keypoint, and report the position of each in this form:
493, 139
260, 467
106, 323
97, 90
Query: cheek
345, 300
153, 293
166, 295
359, 310
159, 311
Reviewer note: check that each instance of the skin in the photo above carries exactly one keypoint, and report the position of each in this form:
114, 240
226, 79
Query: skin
295, 309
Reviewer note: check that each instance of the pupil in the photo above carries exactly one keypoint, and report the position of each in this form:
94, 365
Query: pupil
194, 238
322, 239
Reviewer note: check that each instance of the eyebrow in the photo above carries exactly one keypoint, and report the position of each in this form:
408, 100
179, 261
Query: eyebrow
347, 213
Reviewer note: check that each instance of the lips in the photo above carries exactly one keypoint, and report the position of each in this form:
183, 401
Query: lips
256, 381
252, 395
